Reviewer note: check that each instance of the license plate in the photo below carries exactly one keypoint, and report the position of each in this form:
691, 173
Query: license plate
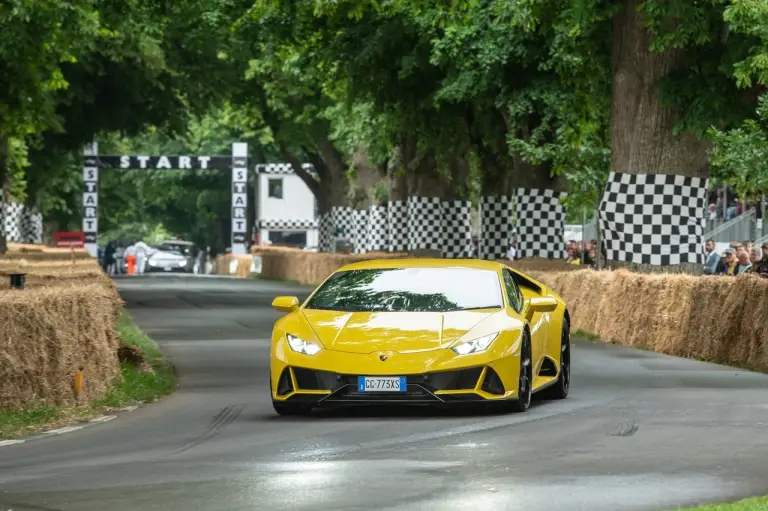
167, 268
381, 384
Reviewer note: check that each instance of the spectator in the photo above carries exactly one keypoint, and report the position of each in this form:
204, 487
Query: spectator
720, 204
743, 263
712, 259
730, 261
761, 268
723, 263
573, 257
109, 257
512, 252
712, 211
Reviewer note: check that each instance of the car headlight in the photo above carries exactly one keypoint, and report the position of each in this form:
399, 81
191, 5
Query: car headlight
182, 263
152, 262
302, 346
475, 345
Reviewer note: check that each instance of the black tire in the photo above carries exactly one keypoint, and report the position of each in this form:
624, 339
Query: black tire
525, 380
291, 408
563, 384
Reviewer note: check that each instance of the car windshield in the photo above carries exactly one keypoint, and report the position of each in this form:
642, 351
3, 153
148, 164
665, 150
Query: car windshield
409, 290
176, 249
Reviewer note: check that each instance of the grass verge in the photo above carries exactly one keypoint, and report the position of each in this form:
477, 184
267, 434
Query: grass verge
135, 385
755, 504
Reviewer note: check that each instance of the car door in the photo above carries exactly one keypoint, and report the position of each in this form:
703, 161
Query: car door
538, 330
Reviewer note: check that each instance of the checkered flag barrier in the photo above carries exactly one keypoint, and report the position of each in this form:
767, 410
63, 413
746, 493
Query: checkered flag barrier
325, 233
540, 223
456, 229
283, 168
397, 213
288, 223
495, 226
424, 223
361, 231
653, 219
343, 223
12, 221
32, 226
377, 230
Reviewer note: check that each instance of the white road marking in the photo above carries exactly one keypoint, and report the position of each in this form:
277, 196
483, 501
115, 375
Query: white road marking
3, 443
61, 431
104, 418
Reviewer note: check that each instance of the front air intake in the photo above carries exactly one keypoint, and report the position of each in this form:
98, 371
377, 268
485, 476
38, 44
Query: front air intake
492, 383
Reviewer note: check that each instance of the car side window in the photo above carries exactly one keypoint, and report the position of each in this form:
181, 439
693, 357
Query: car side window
513, 292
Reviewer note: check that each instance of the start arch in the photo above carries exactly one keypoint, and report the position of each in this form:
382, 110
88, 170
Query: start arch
237, 163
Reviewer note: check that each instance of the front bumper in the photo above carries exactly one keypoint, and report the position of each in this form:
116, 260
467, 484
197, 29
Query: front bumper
171, 269
465, 385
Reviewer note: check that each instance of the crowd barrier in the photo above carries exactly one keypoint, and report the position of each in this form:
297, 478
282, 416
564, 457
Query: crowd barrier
718, 319
61, 326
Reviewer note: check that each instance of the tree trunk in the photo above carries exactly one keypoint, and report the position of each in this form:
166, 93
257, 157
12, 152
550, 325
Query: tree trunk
370, 221
397, 201
337, 220
6, 191
456, 212
642, 138
539, 215
426, 191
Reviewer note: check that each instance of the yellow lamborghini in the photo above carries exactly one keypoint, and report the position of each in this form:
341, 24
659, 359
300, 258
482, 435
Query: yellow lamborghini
420, 331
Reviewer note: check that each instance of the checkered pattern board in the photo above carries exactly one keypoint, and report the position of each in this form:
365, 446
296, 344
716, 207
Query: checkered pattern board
495, 226
377, 230
32, 226
288, 223
326, 240
653, 219
343, 223
361, 231
456, 229
424, 223
397, 213
540, 223
282, 168
12, 221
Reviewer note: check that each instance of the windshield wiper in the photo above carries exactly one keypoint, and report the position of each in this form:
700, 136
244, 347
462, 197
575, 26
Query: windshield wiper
483, 307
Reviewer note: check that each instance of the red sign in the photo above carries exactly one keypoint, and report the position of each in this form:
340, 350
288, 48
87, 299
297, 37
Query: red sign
70, 239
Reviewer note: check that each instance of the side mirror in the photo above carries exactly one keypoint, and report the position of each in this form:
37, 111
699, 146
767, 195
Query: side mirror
285, 303
542, 304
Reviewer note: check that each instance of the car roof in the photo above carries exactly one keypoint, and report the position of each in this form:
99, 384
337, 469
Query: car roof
376, 264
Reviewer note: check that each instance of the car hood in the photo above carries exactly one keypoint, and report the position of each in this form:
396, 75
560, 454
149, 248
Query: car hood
402, 332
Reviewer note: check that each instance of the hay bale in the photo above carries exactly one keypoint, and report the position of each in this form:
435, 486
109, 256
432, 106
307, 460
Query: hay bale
47, 334
721, 319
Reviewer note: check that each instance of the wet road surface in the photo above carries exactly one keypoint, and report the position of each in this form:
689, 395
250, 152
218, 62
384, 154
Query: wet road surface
639, 431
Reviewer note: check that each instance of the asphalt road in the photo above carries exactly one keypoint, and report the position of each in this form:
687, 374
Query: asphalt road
639, 431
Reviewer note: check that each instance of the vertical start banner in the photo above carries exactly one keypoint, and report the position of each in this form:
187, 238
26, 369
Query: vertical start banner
91, 198
239, 197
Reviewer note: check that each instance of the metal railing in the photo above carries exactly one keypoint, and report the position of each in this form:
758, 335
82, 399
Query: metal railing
738, 229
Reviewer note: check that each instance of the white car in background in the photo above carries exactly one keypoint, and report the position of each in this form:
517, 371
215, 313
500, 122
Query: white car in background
173, 256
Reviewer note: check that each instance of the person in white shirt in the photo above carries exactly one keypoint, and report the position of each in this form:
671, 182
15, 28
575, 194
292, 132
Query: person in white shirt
512, 252
142, 251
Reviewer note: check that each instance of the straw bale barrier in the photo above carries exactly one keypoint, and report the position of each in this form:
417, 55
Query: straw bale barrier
719, 319
48, 333
43, 253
